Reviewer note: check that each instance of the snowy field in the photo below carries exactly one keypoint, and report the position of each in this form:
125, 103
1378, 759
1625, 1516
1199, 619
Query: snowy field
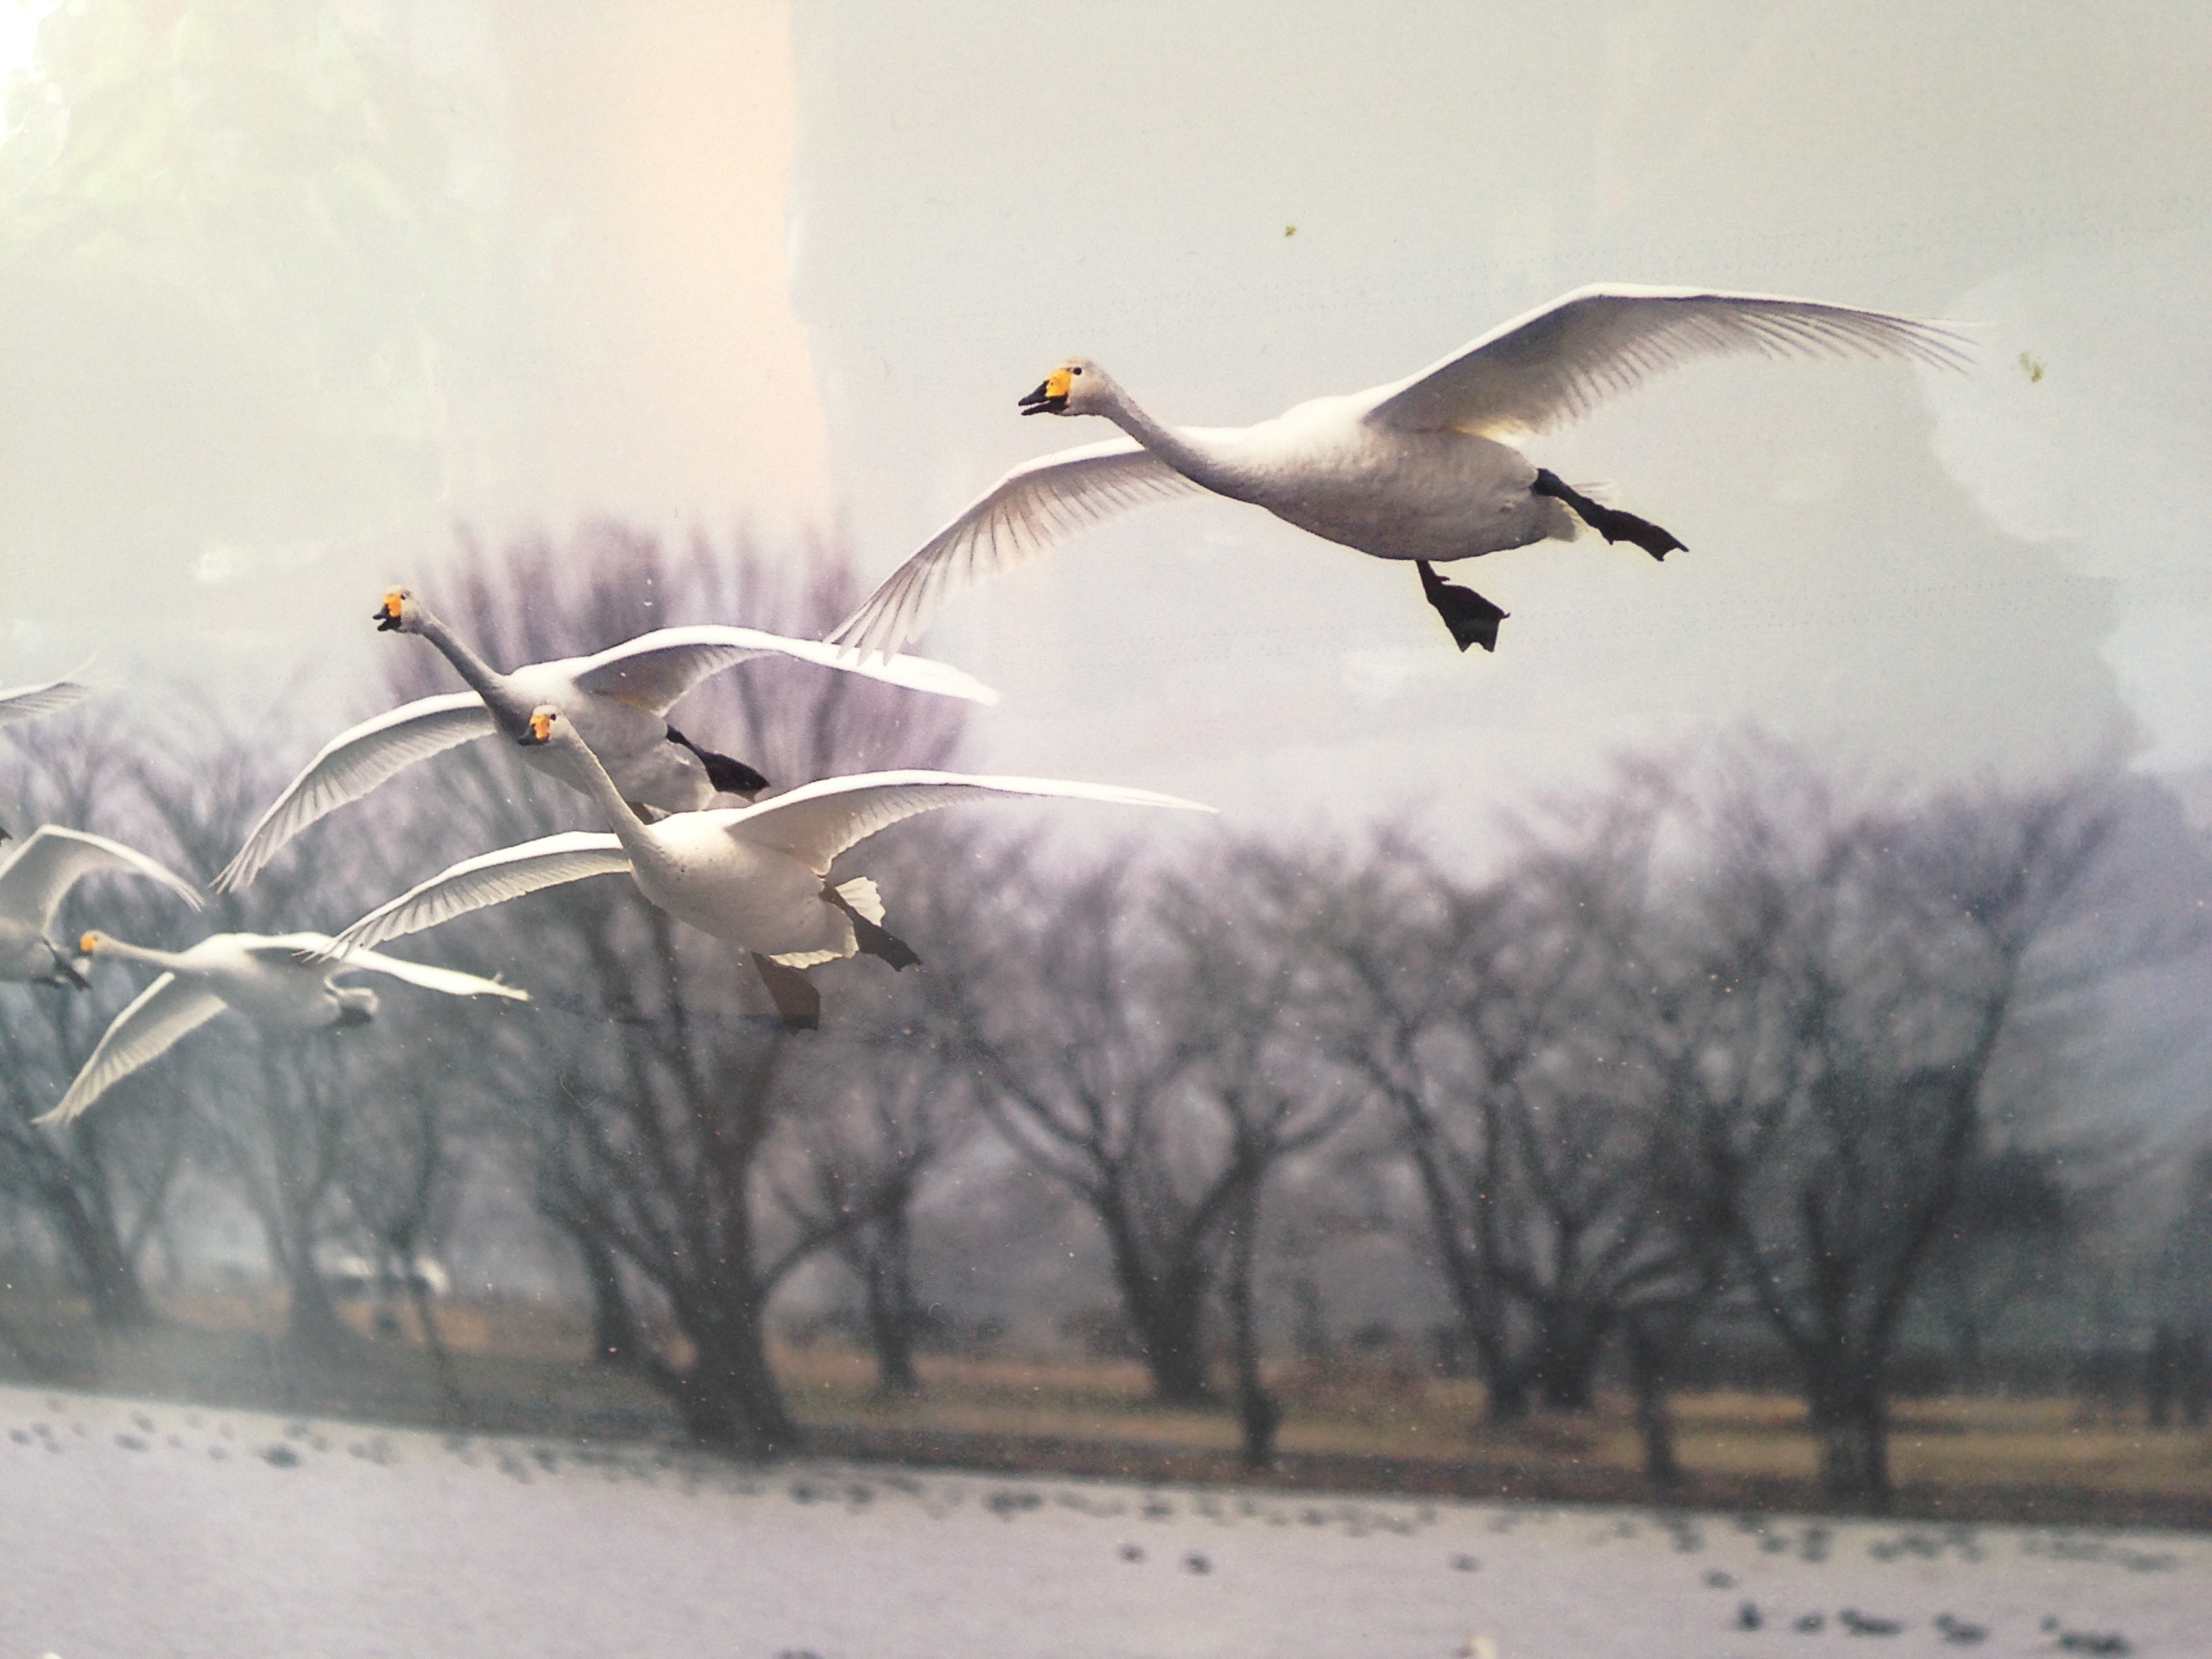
129, 1530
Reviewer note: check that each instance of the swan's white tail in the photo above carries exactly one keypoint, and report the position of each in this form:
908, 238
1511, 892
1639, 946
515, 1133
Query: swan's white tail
860, 893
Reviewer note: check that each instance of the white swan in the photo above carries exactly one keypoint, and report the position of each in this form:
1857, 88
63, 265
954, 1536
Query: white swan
617, 698
38, 876
283, 984
754, 875
1425, 468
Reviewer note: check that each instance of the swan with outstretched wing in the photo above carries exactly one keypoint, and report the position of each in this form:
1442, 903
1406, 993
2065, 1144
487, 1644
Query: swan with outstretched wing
1427, 468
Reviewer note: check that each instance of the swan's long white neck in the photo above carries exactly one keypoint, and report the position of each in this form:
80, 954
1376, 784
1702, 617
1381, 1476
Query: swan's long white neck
1197, 461
483, 680
164, 960
634, 833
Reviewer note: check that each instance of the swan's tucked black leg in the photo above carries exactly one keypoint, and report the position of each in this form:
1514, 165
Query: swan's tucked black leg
798, 1003
1472, 618
873, 939
1610, 523
65, 973
729, 777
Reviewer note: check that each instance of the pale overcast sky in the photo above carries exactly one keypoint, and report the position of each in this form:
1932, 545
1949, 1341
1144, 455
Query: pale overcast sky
1926, 574
291, 289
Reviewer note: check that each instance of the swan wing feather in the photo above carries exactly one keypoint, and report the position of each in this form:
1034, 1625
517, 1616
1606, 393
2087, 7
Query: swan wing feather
353, 763
156, 1018
33, 883
24, 702
654, 670
1016, 520
1562, 360
815, 821
324, 953
487, 879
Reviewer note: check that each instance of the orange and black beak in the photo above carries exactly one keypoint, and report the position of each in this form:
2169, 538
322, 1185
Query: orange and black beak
387, 616
541, 728
1049, 398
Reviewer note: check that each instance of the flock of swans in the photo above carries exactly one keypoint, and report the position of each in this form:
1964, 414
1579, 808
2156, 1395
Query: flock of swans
1429, 469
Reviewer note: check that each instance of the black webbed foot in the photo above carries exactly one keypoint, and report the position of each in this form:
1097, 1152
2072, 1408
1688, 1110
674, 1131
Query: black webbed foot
798, 1003
729, 777
1472, 618
1609, 522
874, 938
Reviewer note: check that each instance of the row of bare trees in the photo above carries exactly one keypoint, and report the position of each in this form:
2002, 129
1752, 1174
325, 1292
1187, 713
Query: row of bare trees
1712, 1040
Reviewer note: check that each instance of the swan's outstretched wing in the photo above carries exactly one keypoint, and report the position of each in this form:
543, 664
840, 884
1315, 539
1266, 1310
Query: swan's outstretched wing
488, 879
24, 702
325, 953
35, 881
818, 821
353, 763
1564, 359
161, 1014
655, 669
1016, 519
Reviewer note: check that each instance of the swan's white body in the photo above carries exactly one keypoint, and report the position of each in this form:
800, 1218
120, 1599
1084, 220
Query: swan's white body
618, 699
1426, 468
38, 875
753, 875
284, 984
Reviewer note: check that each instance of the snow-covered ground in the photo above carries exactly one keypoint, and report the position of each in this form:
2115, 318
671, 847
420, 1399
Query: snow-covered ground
129, 1530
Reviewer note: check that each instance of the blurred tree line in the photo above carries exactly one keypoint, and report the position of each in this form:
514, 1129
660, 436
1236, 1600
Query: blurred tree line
1717, 1048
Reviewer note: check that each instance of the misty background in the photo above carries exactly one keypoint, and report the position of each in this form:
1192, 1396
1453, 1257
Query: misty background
303, 301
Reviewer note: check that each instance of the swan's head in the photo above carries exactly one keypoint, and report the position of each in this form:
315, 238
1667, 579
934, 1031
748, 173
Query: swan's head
91, 943
356, 1004
399, 614
544, 722
1077, 387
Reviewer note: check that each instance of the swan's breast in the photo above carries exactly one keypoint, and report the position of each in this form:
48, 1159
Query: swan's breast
752, 895
277, 996
1402, 495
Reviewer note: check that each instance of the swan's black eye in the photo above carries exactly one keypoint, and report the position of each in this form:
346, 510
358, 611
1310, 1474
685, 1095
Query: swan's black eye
1075, 371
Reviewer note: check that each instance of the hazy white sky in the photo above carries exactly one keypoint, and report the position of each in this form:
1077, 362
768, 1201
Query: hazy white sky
288, 290
293, 290
1926, 575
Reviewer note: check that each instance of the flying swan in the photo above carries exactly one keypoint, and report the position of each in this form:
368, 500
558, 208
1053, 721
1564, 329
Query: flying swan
38, 876
619, 699
1427, 468
281, 983
756, 876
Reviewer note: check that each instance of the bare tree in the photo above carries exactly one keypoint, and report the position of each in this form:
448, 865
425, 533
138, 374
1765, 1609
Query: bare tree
1470, 1013
403, 1171
284, 1115
1129, 1045
102, 1186
1900, 950
1238, 921
901, 1104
